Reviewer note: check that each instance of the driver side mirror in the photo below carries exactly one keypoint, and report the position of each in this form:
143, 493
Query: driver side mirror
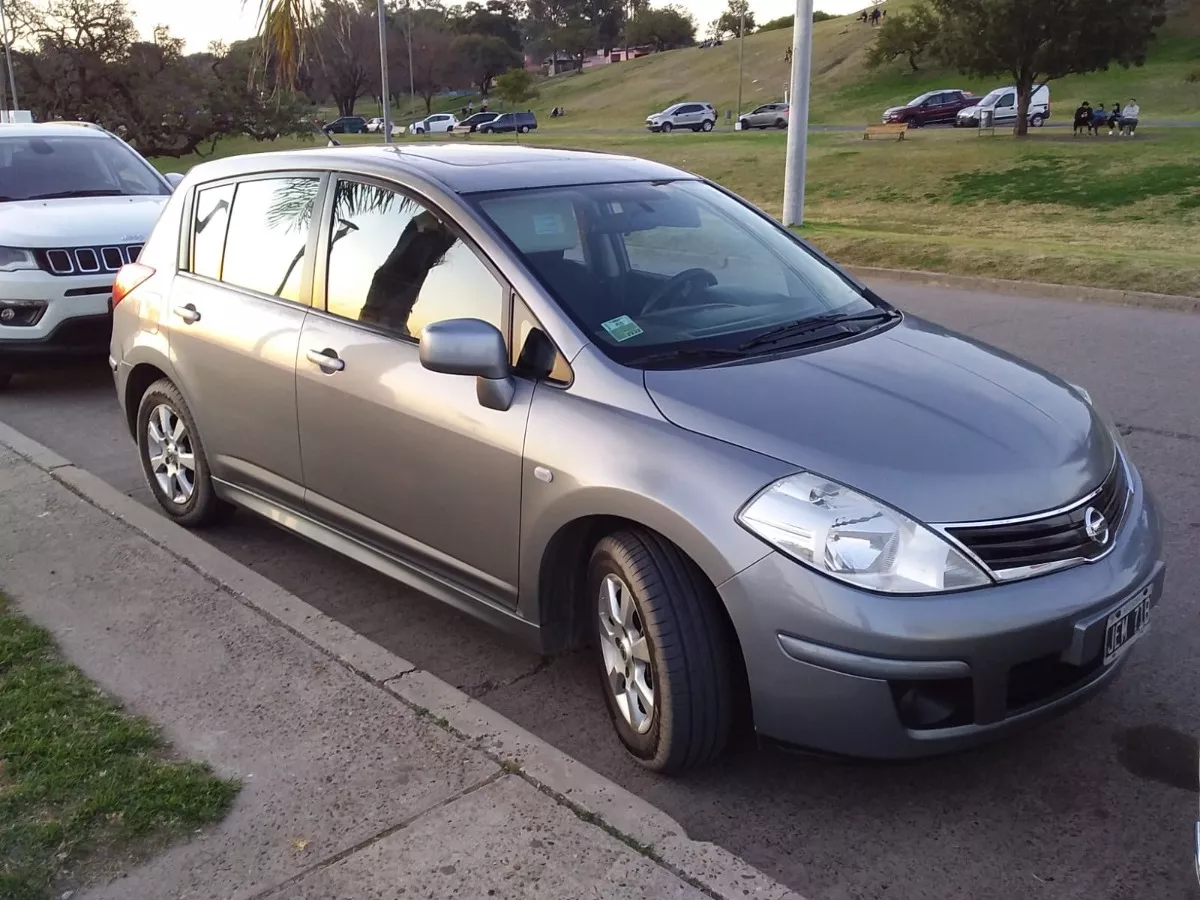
173, 179
471, 347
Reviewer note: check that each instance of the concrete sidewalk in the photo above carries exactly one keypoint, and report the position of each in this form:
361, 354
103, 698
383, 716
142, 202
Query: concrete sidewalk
363, 776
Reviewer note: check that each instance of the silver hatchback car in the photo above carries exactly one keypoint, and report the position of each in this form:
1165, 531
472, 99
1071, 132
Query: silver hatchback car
598, 401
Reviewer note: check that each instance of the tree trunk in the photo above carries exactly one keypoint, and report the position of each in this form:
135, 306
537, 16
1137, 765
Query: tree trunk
912, 61
1024, 95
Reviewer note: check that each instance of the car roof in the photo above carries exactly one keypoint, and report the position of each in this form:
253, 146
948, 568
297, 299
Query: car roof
459, 168
54, 129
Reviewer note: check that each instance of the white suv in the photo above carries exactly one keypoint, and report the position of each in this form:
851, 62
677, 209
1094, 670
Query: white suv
696, 116
76, 204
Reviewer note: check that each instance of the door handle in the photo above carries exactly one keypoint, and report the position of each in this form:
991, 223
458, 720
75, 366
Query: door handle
327, 360
188, 313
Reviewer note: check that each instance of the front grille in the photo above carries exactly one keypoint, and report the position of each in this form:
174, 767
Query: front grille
86, 260
1013, 549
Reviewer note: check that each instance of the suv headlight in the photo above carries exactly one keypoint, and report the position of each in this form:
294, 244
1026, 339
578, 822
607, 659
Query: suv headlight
848, 536
12, 259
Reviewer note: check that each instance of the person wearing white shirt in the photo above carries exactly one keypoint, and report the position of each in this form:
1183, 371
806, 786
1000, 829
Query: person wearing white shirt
1129, 117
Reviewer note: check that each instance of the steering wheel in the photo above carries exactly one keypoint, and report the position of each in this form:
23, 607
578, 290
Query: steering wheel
675, 284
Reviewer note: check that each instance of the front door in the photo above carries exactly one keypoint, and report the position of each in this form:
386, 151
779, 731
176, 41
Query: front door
235, 318
404, 458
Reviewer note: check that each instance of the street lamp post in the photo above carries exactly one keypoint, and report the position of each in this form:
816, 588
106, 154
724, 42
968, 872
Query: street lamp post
383, 75
797, 139
12, 81
741, 56
411, 91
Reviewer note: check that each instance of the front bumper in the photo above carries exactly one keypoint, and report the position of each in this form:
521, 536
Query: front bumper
846, 671
75, 318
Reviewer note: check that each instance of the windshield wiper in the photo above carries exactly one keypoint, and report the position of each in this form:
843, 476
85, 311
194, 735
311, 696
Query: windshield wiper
699, 354
63, 195
802, 327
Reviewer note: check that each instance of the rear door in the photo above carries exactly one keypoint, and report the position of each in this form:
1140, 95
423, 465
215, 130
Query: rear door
237, 309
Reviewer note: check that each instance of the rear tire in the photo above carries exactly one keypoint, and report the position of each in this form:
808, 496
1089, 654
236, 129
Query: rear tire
1036, 120
524, 129
706, 126
780, 124
666, 127
165, 446
661, 639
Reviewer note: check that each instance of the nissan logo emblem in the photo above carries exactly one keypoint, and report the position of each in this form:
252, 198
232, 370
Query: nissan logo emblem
1096, 525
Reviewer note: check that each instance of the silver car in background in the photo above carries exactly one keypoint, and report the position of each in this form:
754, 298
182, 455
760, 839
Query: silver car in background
696, 116
597, 401
769, 115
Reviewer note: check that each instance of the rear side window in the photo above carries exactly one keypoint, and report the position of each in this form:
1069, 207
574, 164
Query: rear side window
208, 229
268, 234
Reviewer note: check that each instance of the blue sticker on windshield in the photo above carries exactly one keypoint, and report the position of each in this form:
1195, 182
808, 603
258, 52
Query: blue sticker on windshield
622, 328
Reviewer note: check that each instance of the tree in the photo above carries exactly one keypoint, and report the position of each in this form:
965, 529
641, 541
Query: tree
495, 18
1036, 42
664, 28
516, 87
482, 58
908, 34
434, 65
346, 36
736, 13
576, 38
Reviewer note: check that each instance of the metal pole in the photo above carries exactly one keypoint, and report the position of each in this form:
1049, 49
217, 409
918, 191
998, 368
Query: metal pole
797, 139
411, 92
12, 81
383, 75
741, 56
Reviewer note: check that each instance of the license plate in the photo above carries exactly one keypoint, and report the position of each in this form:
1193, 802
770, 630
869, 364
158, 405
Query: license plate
1126, 624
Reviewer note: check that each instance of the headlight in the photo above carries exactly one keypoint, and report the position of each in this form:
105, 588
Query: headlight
850, 537
12, 259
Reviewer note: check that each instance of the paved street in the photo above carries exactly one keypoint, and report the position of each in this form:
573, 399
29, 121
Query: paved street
1097, 805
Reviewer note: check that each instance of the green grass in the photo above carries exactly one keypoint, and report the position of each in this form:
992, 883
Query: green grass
78, 778
1101, 211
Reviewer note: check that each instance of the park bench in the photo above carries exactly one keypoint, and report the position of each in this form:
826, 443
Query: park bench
898, 129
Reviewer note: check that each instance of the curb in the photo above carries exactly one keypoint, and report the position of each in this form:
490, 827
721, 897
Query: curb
1034, 289
594, 798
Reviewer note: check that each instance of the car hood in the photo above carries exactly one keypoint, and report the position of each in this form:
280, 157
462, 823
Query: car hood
931, 422
968, 111
79, 221
894, 109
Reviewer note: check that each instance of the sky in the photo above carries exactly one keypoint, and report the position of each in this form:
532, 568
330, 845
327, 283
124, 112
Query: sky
200, 21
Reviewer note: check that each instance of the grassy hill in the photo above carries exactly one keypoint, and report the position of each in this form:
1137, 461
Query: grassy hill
844, 92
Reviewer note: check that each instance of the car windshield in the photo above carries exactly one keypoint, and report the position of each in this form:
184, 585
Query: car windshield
33, 167
669, 269
921, 98
991, 98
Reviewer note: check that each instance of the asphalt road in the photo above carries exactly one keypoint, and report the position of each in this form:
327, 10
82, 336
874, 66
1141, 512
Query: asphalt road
1098, 804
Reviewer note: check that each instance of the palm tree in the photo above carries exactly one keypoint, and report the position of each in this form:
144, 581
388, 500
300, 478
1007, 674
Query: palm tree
284, 26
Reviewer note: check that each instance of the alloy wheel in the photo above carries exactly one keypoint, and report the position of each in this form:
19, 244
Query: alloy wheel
171, 455
627, 666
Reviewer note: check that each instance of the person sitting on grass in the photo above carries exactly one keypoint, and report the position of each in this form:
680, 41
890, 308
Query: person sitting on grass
1083, 116
1129, 117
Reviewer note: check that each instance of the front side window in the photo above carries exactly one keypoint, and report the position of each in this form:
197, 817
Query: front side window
395, 265
209, 222
1007, 100
268, 234
52, 167
695, 268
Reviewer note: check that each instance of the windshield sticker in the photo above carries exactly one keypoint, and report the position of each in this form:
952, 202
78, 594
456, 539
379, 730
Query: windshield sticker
622, 328
548, 223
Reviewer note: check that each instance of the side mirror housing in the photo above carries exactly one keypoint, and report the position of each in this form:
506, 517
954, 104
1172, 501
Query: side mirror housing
173, 178
475, 348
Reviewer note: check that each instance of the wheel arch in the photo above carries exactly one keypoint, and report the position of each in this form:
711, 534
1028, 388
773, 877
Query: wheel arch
144, 371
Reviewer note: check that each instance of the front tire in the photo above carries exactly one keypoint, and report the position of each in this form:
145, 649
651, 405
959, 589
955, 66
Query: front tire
173, 460
666, 127
664, 653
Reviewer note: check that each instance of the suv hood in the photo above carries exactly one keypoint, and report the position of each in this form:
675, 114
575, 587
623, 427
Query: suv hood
931, 422
79, 221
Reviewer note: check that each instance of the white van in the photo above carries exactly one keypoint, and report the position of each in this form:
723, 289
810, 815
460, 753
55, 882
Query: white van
1003, 104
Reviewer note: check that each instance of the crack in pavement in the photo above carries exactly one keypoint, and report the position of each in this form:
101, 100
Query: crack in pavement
483, 688
1127, 429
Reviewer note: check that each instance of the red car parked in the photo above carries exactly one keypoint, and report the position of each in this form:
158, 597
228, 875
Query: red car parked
931, 108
